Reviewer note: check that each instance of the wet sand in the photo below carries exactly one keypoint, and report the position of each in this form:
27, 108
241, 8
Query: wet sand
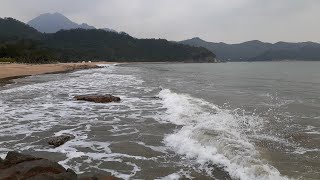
13, 71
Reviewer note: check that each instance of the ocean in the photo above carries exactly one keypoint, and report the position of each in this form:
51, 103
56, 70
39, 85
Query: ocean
247, 121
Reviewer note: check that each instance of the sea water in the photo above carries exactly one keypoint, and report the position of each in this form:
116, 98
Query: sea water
206, 121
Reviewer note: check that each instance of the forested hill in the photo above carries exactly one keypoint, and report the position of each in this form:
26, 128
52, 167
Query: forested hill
25, 44
309, 51
103, 45
260, 51
11, 29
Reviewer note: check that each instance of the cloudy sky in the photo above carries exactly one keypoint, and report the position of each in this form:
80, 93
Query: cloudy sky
230, 21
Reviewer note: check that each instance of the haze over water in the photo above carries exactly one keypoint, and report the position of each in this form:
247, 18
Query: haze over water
227, 121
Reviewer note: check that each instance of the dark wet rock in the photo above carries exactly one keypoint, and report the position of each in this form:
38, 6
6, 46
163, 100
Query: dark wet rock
14, 158
97, 177
59, 140
51, 156
98, 98
26, 167
68, 175
20, 166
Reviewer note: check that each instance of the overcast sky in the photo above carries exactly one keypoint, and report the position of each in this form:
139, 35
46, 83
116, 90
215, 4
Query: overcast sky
230, 21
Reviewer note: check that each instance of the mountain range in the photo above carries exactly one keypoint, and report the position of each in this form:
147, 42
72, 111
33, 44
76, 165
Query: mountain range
67, 40
259, 51
52, 23
25, 44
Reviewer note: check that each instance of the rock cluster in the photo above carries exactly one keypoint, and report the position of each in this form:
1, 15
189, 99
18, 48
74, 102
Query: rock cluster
57, 141
98, 98
25, 167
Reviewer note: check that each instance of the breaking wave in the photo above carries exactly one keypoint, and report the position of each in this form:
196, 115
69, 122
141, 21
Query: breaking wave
215, 138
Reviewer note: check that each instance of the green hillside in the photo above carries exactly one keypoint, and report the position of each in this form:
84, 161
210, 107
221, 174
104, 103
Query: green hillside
25, 44
11, 29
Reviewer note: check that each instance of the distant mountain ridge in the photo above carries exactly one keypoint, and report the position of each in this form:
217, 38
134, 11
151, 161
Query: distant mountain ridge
25, 44
52, 23
259, 51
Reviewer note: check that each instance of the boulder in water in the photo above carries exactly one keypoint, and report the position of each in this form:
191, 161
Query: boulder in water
67, 175
59, 140
21, 166
97, 177
14, 158
98, 98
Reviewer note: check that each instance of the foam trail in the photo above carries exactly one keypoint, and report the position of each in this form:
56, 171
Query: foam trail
211, 135
106, 65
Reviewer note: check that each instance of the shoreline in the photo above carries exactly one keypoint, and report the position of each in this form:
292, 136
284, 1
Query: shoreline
9, 72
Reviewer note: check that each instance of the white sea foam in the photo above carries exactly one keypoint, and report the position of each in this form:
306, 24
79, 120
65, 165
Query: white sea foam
105, 65
215, 136
176, 176
209, 134
301, 150
312, 130
28, 111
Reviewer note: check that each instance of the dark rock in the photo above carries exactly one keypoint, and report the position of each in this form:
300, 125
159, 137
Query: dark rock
68, 175
26, 167
98, 98
14, 158
59, 140
1, 163
97, 177
20, 166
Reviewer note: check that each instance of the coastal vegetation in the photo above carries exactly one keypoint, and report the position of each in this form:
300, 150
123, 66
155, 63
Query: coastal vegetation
7, 60
27, 45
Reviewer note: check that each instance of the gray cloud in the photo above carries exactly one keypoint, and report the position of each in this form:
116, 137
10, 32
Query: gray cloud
213, 20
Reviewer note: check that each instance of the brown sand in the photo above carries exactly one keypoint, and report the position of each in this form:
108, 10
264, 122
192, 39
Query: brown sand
8, 71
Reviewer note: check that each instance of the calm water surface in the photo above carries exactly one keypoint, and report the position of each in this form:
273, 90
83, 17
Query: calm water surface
203, 121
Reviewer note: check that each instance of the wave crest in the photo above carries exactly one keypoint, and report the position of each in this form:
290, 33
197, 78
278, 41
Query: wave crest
211, 135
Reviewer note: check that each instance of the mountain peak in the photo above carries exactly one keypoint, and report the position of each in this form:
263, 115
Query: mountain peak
51, 23
56, 13
51, 15
196, 39
54, 22
253, 42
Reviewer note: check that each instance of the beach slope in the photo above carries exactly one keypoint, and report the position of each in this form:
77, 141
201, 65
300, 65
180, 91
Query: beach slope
8, 71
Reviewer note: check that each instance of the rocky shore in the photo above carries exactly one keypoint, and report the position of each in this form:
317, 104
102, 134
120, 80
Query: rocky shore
26, 167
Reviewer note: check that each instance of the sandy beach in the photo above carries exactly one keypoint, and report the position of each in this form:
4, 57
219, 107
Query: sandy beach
9, 71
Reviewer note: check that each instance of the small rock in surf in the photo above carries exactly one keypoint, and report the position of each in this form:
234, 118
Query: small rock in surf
98, 98
59, 140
